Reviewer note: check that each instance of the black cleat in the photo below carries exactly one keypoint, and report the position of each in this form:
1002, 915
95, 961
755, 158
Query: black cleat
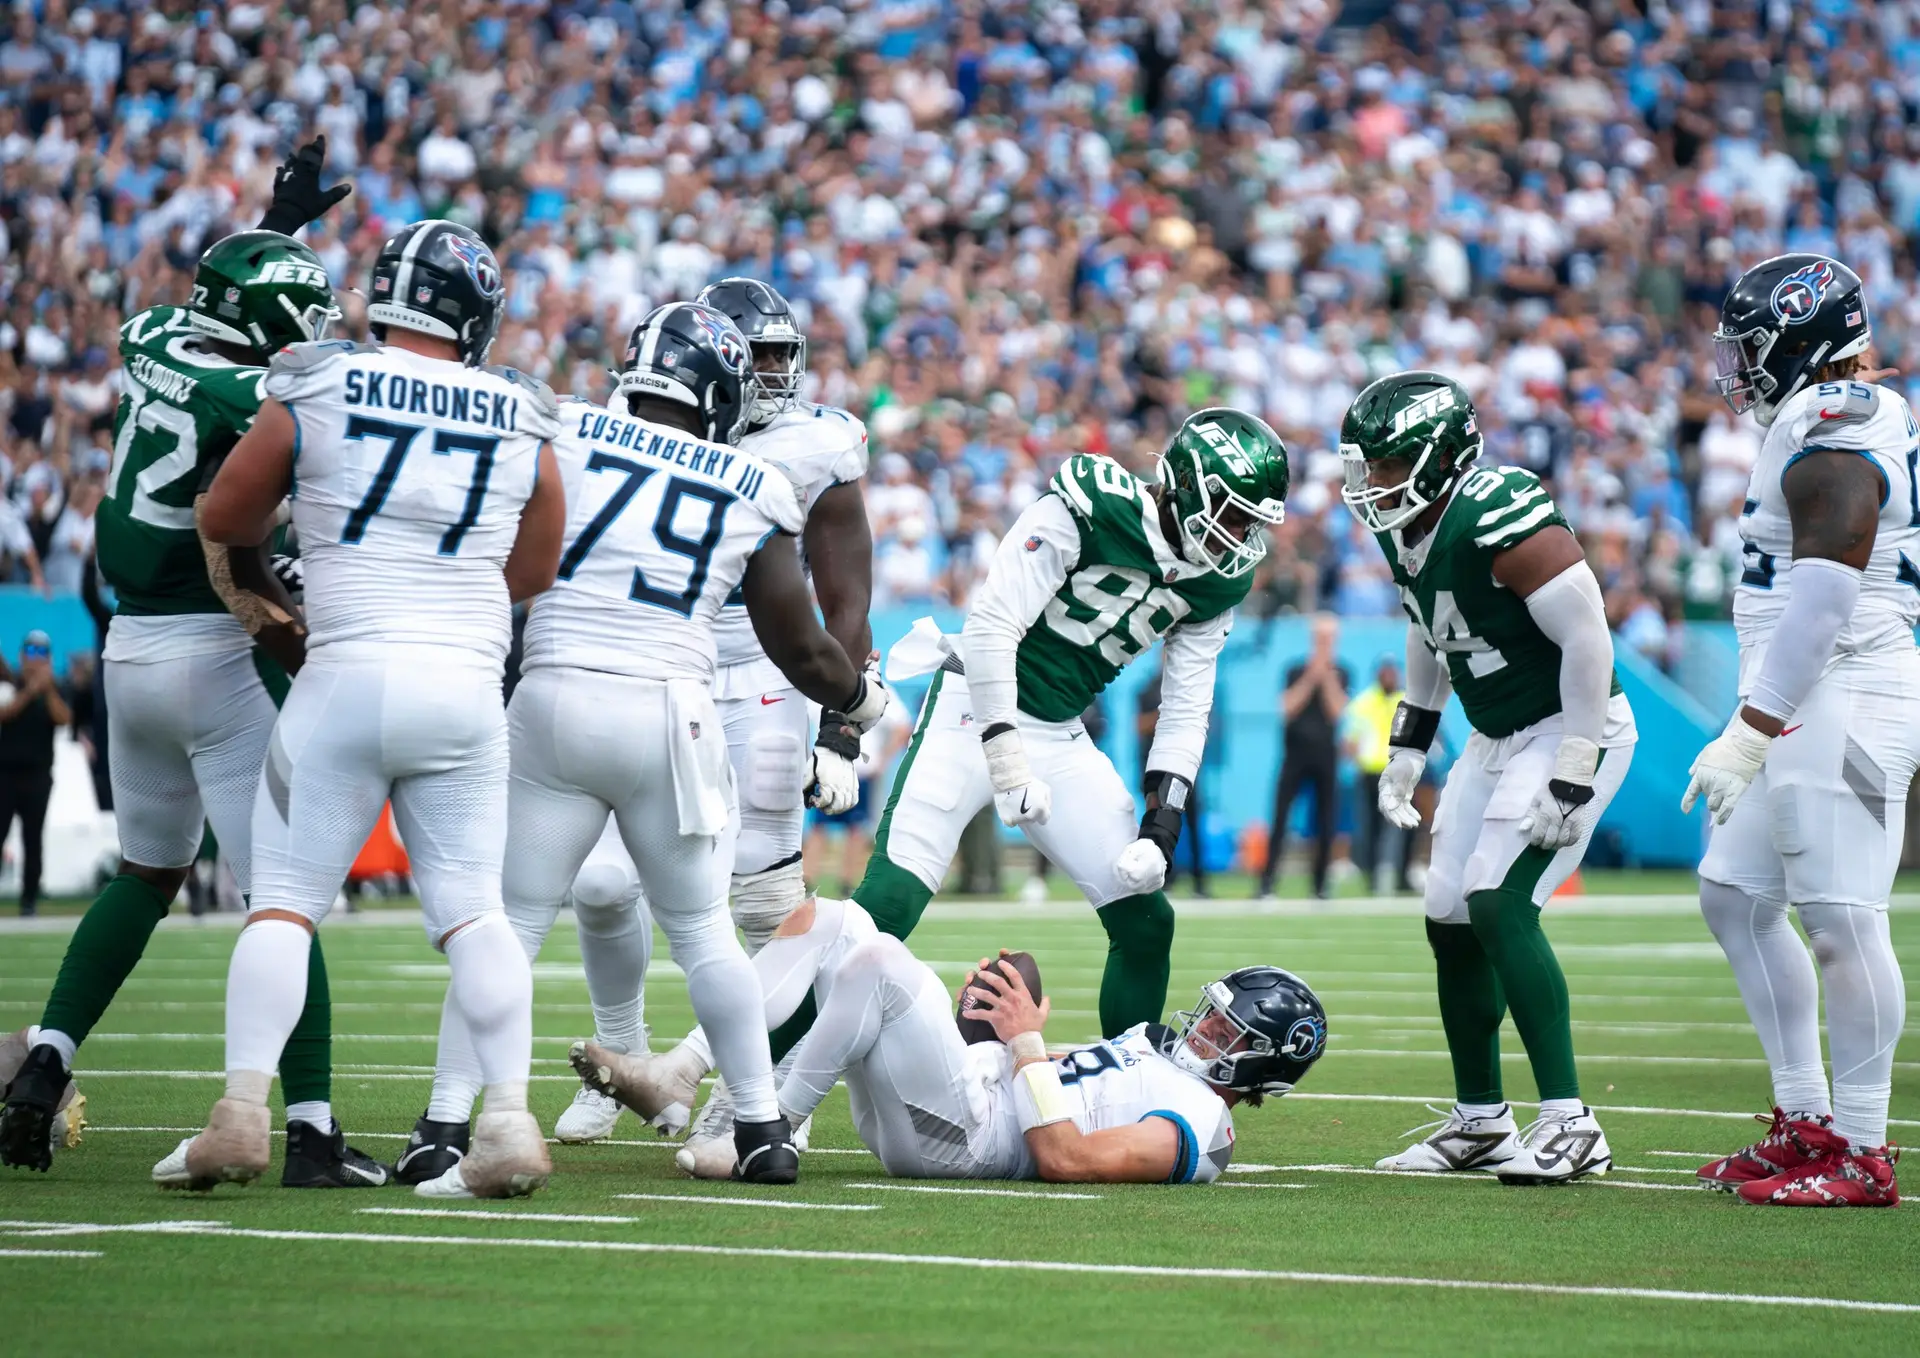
767, 1153
317, 1159
33, 1099
432, 1150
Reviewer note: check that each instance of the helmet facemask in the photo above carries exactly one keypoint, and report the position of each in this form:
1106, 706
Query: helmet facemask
1385, 509
1206, 1057
1202, 502
775, 385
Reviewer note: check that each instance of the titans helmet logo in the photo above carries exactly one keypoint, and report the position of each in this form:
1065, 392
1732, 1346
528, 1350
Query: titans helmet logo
727, 339
1797, 296
480, 264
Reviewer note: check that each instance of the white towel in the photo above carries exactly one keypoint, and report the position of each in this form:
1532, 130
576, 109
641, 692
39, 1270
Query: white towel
697, 755
922, 650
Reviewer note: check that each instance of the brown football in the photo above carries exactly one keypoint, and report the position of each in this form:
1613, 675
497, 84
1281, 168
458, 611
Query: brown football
978, 1029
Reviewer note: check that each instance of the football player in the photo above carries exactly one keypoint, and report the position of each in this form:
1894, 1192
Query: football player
1807, 786
822, 450
195, 688
669, 521
1505, 612
1149, 1105
427, 500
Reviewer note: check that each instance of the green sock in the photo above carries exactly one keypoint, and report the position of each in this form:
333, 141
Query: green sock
306, 1064
1139, 960
112, 935
1471, 1007
1507, 923
893, 896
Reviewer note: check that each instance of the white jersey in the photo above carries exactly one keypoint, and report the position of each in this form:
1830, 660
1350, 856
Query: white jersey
1857, 417
1125, 1080
409, 477
660, 527
817, 447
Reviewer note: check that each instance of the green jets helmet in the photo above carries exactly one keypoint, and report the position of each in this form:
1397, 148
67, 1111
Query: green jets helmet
1225, 469
263, 291
1419, 419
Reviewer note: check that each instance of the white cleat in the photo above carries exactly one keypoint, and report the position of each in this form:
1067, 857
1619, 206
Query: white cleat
661, 1089
1557, 1149
451, 1186
589, 1117
236, 1148
709, 1151
1458, 1144
508, 1159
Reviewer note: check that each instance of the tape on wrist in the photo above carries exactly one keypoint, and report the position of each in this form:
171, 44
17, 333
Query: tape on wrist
1028, 1047
1039, 1099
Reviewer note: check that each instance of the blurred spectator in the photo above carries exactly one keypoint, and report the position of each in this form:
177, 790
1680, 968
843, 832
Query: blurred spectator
1311, 705
1383, 852
30, 714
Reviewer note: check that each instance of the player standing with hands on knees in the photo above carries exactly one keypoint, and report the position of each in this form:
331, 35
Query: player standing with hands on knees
1505, 612
1807, 786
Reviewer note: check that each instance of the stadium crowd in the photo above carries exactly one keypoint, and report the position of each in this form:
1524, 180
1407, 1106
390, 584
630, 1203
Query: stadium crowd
1018, 230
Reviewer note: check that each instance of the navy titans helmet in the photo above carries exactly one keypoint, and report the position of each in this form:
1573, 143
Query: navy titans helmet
694, 356
439, 278
1280, 1031
779, 349
1785, 319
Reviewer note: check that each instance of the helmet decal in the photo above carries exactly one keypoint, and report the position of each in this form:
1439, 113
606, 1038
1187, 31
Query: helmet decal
1797, 296
481, 266
1306, 1038
726, 339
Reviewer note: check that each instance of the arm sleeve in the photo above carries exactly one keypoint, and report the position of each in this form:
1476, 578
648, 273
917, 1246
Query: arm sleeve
1428, 683
1818, 606
1186, 696
1568, 609
1031, 565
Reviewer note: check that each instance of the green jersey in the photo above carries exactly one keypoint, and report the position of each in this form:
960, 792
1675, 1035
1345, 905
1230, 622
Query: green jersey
1503, 666
185, 407
1125, 589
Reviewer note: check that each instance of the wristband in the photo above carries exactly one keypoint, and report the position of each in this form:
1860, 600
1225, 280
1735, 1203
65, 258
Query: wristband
838, 736
1038, 1098
1414, 727
1028, 1047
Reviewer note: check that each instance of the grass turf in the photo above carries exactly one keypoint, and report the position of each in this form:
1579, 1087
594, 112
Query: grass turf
1667, 1057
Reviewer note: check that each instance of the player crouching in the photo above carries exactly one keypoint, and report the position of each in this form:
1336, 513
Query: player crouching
1151, 1105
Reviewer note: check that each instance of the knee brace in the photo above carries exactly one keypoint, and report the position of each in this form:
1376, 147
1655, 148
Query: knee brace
1142, 925
761, 900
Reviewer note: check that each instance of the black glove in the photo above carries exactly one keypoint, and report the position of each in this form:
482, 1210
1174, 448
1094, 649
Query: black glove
297, 195
1166, 808
292, 575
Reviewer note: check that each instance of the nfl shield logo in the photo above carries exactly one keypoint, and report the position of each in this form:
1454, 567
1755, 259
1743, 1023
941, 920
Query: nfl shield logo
423, 294
233, 295
694, 728
1033, 544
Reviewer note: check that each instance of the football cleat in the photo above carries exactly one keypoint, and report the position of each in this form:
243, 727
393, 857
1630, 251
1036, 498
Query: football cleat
508, 1159
766, 1153
1841, 1178
1556, 1149
43, 1106
709, 1150
317, 1159
1459, 1144
589, 1117
432, 1150
661, 1089
1790, 1144
235, 1148
451, 1186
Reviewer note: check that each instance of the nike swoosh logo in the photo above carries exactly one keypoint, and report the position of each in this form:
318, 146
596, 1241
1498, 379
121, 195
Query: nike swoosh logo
1789, 730
1830, 414
769, 702
366, 1175
454, 1151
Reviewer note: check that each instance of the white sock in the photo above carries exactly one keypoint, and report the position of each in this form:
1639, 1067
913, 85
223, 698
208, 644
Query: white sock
1482, 1110
695, 1050
1562, 1108
1866, 1010
249, 1086
59, 1041
492, 986
725, 992
1782, 994
266, 990
616, 946
509, 1096
314, 1112
456, 1070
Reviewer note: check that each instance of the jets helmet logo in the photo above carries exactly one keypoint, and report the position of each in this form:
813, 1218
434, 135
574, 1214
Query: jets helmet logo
481, 266
1428, 407
1797, 296
293, 272
1230, 452
727, 341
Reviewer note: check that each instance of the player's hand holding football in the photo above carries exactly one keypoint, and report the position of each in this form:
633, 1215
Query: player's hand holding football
1010, 1008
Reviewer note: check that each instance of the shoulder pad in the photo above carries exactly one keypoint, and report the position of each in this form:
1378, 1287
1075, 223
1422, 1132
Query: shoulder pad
1160, 1035
1836, 410
544, 419
294, 372
1507, 504
1086, 479
779, 500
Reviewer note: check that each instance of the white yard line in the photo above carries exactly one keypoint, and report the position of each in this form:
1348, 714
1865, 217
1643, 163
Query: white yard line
783, 1203
1103, 1270
1688, 1155
1334, 1048
582, 1218
49, 1254
1222, 1183
345, 1072
977, 1192
1446, 1101
1472, 1177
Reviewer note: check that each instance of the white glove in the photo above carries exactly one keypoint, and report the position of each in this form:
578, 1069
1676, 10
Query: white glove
1722, 771
1140, 868
1018, 797
1563, 810
834, 786
869, 700
1397, 782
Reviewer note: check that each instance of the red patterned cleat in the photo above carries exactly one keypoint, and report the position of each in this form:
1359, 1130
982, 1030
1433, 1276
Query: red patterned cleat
1842, 1179
1790, 1145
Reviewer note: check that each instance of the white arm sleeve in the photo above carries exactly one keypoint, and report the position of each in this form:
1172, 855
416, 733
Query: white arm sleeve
1819, 603
1569, 610
1187, 665
1428, 683
1032, 563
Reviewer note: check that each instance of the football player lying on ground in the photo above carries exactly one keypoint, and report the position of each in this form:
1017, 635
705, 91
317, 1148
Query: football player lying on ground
1152, 1105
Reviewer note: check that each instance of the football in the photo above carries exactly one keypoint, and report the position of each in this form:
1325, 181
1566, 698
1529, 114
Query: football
978, 1029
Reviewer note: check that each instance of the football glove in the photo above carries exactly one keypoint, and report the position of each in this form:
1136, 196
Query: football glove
834, 784
869, 702
1563, 812
1143, 864
1723, 770
1140, 868
297, 195
1397, 782
1019, 798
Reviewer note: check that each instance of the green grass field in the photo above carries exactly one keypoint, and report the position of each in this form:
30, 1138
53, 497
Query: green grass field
1301, 1246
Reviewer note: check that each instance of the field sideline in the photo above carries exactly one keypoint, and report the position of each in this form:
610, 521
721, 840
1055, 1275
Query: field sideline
1302, 1244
